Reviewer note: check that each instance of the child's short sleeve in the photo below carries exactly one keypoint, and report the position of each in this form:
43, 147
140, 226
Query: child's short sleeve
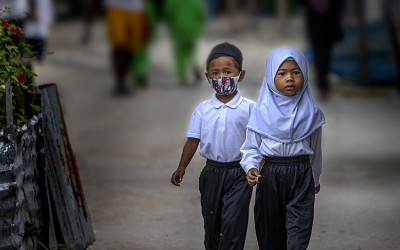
194, 130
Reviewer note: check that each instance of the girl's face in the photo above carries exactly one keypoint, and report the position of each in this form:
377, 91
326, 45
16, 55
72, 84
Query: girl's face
289, 79
223, 66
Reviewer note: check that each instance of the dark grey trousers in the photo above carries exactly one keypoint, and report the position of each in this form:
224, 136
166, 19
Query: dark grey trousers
284, 205
225, 198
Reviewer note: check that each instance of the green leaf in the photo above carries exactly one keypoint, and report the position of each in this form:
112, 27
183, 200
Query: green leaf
14, 78
35, 107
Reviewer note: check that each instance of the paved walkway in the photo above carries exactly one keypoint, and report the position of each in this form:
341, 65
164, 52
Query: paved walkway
127, 148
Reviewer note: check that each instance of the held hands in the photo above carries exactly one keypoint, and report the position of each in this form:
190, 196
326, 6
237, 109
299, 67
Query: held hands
317, 188
177, 176
252, 176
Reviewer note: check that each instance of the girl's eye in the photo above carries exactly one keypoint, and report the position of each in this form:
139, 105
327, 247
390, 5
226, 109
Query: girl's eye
281, 73
296, 72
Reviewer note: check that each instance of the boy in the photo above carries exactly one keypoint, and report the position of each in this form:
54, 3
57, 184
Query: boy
219, 125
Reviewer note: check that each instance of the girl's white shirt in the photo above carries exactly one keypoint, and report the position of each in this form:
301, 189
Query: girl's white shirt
256, 146
221, 127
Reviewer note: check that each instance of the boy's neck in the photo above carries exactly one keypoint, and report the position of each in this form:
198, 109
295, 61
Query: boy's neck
226, 98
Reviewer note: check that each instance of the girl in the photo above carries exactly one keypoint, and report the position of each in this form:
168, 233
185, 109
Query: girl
284, 129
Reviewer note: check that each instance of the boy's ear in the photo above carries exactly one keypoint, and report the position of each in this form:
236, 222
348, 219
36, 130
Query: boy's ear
206, 74
242, 75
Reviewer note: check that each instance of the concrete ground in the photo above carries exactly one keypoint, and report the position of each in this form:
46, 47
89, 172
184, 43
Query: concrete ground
127, 148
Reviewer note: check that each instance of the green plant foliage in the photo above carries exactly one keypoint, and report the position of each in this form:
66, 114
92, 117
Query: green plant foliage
33, 231
12, 53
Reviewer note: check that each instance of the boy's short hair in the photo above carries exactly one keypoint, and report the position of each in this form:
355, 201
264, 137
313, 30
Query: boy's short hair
226, 49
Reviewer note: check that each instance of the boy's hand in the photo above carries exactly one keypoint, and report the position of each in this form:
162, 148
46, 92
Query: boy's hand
252, 176
177, 176
317, 188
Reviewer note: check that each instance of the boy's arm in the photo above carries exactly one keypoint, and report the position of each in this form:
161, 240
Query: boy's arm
187, 154
252, 176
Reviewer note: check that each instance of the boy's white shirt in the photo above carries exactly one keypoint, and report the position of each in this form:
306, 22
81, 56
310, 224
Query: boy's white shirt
221, 127
256, 146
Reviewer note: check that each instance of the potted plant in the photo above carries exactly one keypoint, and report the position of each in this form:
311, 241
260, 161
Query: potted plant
19, 192
42, 199
14, 74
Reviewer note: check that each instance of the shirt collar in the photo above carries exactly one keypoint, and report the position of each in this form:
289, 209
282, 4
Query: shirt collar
236, 100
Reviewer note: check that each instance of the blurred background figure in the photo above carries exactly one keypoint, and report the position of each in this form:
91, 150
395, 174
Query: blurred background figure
37, 27
35, 17
185, 21
241, 14
140, 62
17, 11
128, 30
323, 30
213, 7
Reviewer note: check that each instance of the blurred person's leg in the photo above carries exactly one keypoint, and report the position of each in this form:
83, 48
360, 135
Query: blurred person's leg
212, 8
184, 58
140, 63
235, 15
322, 58
140, 66
125, 34
120, 59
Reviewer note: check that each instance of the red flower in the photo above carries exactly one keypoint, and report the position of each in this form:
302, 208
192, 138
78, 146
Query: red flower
19, 34
20, 78
16, 30
4, 23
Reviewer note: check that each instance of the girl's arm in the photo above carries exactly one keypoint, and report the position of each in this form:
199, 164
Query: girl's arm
250, 150
187, 154
316, 160
251, 157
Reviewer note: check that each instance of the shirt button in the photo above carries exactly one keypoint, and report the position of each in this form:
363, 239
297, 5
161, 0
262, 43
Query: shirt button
224, 107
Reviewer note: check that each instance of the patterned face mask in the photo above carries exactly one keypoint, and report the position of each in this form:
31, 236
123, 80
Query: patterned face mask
224, 85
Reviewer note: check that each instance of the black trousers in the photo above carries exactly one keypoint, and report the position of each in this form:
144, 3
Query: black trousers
225, 198
284, 205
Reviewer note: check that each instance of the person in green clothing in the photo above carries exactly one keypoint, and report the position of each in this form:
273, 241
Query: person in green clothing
140, 62
185, 21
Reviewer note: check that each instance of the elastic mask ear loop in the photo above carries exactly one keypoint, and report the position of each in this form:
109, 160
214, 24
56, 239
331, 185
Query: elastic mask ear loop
239, 75
208, 78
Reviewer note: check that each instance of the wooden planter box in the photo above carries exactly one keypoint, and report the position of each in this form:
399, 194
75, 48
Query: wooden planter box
40, 186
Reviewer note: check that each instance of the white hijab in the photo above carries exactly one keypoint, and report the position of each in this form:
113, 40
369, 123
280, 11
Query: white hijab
280, 117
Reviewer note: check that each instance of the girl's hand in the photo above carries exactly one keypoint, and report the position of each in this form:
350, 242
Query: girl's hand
252, 176
177, 176
317, 188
